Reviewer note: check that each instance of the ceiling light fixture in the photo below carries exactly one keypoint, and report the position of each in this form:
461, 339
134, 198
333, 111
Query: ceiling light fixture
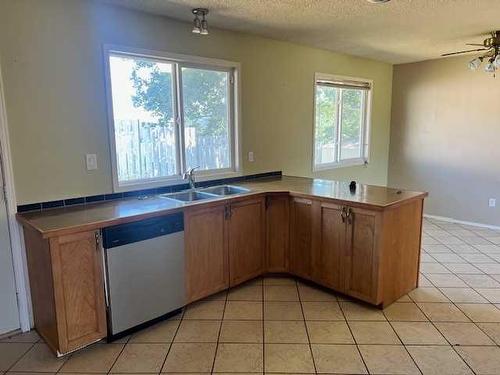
474, 64
490, 67
497, 61
492, 55
200, 26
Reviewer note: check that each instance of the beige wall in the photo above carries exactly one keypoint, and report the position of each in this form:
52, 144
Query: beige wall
445, 137
51, 57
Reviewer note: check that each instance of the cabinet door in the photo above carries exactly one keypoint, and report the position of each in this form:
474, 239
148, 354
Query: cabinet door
78, 289
331, 253
246, 240
277, 233
362, 258
301, 237
205, 251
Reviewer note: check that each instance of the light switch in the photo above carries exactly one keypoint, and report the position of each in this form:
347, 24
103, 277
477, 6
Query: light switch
91, 160
250, 156
492, 202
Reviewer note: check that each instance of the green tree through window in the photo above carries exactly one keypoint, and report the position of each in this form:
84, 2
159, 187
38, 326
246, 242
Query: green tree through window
339, 123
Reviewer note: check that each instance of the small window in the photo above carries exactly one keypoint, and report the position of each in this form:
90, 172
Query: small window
340, 121
170, 114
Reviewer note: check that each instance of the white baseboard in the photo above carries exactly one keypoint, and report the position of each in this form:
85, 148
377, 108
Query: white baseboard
471, 223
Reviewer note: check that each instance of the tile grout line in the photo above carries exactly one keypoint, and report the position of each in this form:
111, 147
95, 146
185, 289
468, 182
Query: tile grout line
483, 273
472, 245
449, 248
21, 357
435, 327
307, 330
173, 338
220, 330
403, 344
353, 337
470, 320
454, 304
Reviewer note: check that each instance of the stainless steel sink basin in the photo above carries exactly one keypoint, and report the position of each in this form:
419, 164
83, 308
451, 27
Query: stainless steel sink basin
189, 196
226, 190
208, 193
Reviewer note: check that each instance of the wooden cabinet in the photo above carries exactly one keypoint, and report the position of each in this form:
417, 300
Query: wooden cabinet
277, 232
246, 232
331, 251
224, 245
370, 252
301, 236
345, 251
67, 288
362, 253
206, 251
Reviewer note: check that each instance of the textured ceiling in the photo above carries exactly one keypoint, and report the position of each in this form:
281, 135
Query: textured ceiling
398, 32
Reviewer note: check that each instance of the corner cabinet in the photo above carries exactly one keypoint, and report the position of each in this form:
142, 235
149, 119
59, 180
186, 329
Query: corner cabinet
301, 237
277, 233
67, 288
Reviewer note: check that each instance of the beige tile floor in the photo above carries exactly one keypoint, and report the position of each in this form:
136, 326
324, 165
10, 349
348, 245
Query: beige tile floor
449, 325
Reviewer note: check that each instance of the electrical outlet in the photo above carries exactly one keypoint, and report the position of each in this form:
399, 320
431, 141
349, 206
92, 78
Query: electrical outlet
91, 161
250, 156
492, 202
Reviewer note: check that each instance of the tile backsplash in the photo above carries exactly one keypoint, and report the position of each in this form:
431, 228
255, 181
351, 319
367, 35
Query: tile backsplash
135, 193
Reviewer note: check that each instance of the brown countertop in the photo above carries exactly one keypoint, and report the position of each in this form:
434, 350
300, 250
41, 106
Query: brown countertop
99, 215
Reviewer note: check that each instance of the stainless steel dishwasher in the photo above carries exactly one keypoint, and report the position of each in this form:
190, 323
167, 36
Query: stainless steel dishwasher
144, 265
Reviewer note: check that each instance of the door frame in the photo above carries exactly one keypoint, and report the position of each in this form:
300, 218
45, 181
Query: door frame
16, 239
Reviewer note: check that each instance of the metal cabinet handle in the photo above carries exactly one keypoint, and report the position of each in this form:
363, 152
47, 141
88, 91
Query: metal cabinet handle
349, 215
97, 236
227, 212
343, 213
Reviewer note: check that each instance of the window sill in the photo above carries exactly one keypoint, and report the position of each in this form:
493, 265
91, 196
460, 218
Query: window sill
343, 164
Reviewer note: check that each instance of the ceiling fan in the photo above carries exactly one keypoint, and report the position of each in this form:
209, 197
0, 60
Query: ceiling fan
492, 55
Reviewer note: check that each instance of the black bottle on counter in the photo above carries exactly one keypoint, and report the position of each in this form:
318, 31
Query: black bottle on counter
352, 187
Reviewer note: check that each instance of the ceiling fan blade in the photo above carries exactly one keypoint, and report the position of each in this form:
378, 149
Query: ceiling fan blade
475, 44
466, 51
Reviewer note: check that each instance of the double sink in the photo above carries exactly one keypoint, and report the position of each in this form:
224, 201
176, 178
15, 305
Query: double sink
207, 193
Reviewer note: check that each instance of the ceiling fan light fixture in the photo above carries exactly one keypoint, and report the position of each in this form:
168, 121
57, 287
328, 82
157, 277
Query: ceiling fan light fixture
490, 67
490, 48
497, 61
474, 64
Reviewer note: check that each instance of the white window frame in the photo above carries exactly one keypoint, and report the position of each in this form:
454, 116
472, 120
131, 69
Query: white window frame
366, 125
234, 115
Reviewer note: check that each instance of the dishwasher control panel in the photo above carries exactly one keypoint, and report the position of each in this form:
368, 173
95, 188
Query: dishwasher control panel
123, 234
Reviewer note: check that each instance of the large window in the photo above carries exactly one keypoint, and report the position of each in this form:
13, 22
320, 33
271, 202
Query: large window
340, 121
170, 113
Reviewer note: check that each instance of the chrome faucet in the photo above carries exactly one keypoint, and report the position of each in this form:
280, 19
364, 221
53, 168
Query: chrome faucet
189, 175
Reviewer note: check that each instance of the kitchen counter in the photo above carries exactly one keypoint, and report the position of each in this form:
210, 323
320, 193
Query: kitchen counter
364, 244
99, 215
